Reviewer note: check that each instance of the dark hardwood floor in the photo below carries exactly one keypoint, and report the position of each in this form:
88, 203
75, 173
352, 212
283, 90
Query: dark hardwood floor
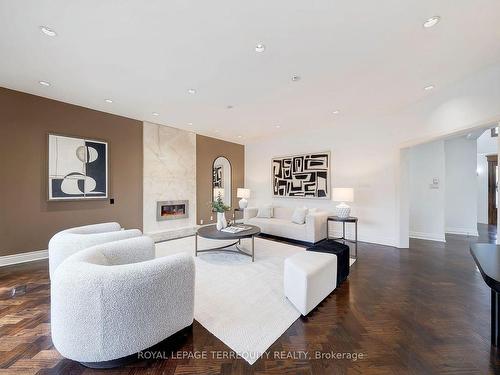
424, 310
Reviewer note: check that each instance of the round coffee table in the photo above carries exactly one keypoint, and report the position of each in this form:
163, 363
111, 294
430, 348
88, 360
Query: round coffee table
211, 232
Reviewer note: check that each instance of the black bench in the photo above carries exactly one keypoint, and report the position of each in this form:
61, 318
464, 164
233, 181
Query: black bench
341, 251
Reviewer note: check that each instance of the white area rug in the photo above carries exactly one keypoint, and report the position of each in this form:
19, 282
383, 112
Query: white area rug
240, 302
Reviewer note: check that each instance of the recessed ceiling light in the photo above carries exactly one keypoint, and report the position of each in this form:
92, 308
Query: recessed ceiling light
260, 48
336, 112
190, 123
155, 114
278, 126
108, 100
191, 91
433, 21
295, 78
429, 88
48, 31
44, 83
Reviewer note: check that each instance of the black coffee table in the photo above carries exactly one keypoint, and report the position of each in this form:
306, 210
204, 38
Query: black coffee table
487, 259
211, 232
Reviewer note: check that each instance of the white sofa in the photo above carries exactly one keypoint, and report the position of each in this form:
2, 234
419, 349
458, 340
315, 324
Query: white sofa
115, 299
280, 225
309, 277
69, 241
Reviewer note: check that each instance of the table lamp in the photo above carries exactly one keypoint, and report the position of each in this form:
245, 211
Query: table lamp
244, 194
343, 195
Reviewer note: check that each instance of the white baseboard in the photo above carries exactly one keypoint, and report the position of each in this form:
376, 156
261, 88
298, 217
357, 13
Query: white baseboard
368, 239
427, 236
463, 231
31, 256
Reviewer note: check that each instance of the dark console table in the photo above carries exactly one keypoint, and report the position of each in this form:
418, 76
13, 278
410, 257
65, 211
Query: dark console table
487, 258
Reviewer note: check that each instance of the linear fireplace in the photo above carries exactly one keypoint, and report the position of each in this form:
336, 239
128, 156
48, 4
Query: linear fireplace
172, 210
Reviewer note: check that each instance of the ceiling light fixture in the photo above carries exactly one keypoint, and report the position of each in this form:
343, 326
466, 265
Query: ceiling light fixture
44, 83
155, 114
191, 91
190, 123
108, 100
48, 31
336, 112
260, 48
278, 126
433, 21
429, 88
295, 78
240, 136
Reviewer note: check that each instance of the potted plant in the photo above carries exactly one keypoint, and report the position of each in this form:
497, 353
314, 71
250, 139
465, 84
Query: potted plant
219, 207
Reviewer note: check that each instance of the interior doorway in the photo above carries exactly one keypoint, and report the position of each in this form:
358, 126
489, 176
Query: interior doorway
492, 189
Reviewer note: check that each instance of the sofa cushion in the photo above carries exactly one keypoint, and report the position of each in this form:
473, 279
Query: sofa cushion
280, 228
265, 212
299, 215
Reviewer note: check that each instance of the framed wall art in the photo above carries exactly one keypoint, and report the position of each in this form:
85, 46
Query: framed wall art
77, 168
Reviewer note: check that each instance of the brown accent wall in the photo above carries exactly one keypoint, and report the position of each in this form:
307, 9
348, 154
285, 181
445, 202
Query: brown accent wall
207, 150
27, 220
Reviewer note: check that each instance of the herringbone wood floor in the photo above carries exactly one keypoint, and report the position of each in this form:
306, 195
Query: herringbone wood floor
419, 311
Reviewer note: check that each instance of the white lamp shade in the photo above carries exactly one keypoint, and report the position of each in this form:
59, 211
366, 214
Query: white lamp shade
243, 193
343, 194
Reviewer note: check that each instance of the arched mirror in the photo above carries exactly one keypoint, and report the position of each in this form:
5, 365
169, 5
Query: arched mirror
221, 180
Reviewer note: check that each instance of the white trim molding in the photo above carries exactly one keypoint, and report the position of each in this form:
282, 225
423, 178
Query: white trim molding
463, 231
31, 256
427, 236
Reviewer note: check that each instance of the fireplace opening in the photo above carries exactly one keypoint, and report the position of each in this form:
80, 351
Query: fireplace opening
172, 210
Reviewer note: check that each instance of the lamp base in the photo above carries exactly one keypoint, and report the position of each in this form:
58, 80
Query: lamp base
243, 203
343, 211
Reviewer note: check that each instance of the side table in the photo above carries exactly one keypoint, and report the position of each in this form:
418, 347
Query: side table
350, 219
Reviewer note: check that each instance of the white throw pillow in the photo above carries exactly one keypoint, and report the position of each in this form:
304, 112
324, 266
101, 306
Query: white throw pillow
299, 215
265, 212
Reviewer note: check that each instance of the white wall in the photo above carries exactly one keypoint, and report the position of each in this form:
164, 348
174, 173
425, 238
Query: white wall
486, 145
482, 189
427, 198
357, 162
461, 186
169, 174
366, 151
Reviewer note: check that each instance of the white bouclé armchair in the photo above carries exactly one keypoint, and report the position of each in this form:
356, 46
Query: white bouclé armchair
114, 300
69, 241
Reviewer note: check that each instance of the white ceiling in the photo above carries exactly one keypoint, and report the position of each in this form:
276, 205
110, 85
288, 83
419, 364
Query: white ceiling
363, 57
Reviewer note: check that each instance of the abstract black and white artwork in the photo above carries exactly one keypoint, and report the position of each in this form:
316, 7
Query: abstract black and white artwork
218, 177
302, 176
78, 168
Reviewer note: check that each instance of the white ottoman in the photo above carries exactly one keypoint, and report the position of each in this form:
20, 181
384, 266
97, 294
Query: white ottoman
309, 278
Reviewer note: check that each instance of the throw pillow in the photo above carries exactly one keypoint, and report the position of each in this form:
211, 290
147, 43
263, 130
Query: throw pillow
299, 215
265, 212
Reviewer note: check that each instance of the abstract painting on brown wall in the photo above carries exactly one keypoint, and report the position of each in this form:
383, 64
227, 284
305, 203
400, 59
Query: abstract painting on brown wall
78, 168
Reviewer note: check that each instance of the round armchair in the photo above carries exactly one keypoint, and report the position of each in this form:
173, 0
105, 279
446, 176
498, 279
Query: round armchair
114, 300
69, 241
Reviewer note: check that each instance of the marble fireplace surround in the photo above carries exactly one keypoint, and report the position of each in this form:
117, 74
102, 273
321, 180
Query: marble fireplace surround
169, 174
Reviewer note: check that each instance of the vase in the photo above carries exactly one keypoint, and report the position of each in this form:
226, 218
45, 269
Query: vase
221, 220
